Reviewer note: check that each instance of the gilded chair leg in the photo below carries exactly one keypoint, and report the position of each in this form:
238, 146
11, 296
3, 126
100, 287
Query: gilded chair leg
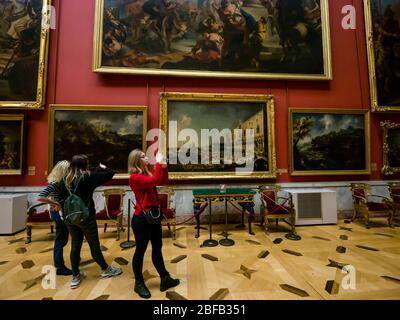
366, 218
105, 227
391, 218
52, 229
265, 221
174, 232
28, 234
276, 223
354, 215
118, 231
169, 227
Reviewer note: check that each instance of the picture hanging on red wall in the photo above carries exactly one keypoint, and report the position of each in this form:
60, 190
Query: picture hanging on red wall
329, 142
259, 39
106, 134
219, 136
24, 36
11, 144
391, 147
382, 19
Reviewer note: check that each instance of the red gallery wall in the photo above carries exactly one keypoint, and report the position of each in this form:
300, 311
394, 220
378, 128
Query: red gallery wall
71, 81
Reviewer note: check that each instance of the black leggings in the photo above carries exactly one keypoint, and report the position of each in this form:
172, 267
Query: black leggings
89, 230
144, 233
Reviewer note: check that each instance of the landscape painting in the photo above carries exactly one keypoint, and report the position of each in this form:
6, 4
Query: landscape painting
391, 147
11, 144
24, 36
329, 142
260, 39
106, 134
209, 128
382, 19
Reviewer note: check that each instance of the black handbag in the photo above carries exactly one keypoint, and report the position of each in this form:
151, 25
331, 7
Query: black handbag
154, 215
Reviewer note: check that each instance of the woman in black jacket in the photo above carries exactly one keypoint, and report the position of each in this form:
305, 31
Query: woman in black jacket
83, 183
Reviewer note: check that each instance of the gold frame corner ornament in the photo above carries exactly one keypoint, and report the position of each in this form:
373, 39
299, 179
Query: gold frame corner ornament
109, 108
367, 132
40, 101
166, 97
326, 52
21, 118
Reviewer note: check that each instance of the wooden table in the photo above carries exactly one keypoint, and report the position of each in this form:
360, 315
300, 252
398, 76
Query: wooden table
206, 197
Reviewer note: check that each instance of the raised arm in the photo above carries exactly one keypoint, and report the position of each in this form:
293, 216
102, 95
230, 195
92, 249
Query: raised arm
141, 181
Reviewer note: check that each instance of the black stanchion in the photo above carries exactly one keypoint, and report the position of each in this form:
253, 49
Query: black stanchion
128, 243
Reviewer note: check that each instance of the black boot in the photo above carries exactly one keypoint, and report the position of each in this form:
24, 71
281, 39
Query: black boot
141, 290
64, 271
167, 282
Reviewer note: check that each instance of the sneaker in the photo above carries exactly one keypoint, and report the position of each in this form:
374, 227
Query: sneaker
111, 272
141, 290
76, 280
64, 272
168, 282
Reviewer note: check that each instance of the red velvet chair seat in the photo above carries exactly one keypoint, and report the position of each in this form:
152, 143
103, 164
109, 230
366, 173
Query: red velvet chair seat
376, 206
102, 215
168, 213
276, 209
39, 217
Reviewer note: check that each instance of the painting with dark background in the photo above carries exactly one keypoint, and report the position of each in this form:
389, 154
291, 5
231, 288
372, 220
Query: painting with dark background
393, 140
285, 37
385, 26
20, 41
329, 142
10, 145
104, 136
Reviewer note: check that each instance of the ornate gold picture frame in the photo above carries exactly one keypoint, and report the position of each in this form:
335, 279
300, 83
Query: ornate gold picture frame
390, 147
383, 45
329, 142
226, 39
11, 144
24, 41
105, 134
198, 113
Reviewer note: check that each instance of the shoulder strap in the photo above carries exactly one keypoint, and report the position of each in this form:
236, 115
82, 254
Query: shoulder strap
76, 186
77, 183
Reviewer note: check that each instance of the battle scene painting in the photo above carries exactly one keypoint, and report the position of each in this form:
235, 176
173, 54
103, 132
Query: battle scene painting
23, 53
11, 144
223, 38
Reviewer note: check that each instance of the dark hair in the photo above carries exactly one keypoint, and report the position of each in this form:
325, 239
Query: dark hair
80, 162
79, 165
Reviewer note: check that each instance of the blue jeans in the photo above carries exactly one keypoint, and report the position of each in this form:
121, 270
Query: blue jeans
59, 243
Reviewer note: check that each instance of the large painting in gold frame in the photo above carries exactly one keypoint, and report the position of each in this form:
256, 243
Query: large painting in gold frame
382, 20
198, 111
104, 133
24, 40
260, 39
391, 147
11, 144
329, 142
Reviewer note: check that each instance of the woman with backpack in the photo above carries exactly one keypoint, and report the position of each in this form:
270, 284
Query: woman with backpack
81, 182
143, 185
52, 195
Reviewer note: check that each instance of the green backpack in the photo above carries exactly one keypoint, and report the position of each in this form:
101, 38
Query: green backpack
75, 210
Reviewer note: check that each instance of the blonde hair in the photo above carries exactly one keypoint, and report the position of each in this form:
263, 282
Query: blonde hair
79, 166
134, 163
59, 171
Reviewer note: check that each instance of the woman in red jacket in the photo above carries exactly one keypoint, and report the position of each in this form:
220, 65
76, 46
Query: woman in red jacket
143, 185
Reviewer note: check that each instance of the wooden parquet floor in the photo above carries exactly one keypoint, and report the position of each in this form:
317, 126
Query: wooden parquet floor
259, 267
